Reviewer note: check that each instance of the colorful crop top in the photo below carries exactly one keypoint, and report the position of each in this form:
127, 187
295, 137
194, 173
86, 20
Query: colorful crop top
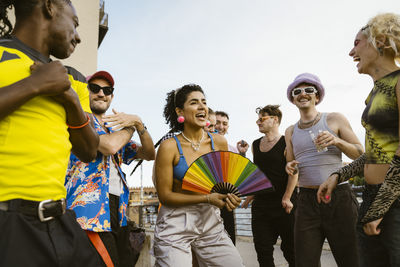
381, 120
181, 168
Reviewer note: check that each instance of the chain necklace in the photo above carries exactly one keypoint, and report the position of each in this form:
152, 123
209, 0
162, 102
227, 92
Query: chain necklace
266, 145
273, 140
195, 146
302, 124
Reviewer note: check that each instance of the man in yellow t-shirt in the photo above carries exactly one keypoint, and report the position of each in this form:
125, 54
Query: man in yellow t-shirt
44, 115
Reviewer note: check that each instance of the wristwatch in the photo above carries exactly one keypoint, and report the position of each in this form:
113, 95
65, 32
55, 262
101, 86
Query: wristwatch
140, 133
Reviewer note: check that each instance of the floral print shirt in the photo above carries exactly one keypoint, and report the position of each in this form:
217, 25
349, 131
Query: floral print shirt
87, 187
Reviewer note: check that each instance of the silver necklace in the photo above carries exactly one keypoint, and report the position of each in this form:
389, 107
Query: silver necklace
195, 146
266, 144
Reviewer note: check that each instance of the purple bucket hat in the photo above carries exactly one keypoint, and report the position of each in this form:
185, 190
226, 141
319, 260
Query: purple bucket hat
310, 79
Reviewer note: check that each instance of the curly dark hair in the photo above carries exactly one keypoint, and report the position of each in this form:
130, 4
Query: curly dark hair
5, 24
177, 98
23, 8
272, 110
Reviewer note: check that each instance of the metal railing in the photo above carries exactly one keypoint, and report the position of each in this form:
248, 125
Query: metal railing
147, 216
144, 215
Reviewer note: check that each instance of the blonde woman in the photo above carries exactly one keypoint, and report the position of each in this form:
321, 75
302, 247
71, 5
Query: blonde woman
376, 49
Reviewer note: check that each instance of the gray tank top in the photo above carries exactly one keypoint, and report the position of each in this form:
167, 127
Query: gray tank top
314, 167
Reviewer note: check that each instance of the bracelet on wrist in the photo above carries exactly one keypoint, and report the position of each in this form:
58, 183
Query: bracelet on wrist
140, 133
82, 125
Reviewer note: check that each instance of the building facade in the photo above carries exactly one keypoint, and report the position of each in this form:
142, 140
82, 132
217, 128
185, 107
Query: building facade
93, 25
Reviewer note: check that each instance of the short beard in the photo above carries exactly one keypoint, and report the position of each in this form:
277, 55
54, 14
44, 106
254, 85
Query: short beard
98, 111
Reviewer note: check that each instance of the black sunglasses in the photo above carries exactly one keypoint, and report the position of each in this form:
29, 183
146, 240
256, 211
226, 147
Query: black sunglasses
107, 90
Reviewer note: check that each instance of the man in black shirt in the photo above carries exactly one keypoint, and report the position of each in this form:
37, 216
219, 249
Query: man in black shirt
271, 212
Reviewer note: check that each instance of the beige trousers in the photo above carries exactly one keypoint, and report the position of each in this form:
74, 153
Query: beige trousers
196, 227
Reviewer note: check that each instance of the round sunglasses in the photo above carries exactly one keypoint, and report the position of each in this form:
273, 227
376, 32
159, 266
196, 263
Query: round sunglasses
264, 118
94, 88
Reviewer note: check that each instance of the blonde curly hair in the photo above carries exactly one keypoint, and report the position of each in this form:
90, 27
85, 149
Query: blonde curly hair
385, 25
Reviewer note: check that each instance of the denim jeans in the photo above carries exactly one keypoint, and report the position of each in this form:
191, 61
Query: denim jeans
381, 250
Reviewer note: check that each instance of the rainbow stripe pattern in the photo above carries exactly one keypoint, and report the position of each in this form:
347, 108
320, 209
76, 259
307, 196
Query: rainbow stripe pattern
225, 172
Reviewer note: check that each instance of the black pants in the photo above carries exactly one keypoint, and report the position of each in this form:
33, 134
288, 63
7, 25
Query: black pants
269, 221
117, 241
25, 241
381, 250
229, 223
335, 221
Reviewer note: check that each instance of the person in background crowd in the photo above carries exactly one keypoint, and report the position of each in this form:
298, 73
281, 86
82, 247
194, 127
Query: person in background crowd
212, 120
222, 127
271, 212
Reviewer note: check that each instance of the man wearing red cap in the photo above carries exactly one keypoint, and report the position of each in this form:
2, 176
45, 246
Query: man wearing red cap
314, 150
98, 191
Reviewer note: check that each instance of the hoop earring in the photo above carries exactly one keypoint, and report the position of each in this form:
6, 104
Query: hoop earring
180, 119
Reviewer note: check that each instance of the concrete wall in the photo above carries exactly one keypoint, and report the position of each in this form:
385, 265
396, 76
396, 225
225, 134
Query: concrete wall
84, 58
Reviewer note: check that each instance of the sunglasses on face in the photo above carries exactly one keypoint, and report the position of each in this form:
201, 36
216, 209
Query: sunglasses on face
263, 118
308, 90
94, 88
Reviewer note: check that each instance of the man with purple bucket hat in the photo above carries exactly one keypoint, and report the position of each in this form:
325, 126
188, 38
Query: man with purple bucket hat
314, 150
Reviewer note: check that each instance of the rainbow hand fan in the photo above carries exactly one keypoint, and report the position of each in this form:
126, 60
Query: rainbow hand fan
225, 172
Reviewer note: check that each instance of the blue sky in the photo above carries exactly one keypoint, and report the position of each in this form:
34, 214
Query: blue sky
243, 54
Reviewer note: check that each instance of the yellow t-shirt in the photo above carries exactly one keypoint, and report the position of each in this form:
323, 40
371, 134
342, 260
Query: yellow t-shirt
34, 139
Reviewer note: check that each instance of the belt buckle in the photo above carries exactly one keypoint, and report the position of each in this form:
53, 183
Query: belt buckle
41, 209
4, 205
63, 205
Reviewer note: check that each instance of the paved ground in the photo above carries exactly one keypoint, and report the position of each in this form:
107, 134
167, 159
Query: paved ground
246, 249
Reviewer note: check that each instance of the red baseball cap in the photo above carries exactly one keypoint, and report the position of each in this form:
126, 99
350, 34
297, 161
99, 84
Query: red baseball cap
101, 75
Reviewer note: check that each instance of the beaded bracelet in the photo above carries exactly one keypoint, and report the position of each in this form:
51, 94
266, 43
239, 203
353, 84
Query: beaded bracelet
80, 126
